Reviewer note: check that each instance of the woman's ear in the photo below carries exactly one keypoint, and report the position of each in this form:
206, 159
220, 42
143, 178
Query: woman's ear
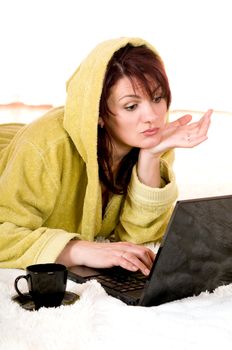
101, 122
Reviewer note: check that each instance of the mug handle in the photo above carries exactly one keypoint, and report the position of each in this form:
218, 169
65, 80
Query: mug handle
16, 284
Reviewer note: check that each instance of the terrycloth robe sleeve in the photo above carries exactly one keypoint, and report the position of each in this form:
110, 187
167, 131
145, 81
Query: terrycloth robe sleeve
28, 193
146, 211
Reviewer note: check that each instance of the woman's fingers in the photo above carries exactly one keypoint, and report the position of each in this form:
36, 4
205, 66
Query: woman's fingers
208, 113
185, 119
136, 257
205, 122
145, 254
196, 133
131, 262
130, 256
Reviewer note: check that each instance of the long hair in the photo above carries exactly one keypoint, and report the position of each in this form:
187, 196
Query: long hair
138, 63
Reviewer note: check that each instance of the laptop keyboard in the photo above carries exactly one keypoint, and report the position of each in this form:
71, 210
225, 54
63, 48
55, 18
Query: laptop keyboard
122, 281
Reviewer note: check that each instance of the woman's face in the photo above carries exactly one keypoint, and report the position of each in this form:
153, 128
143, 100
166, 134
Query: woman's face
137, 120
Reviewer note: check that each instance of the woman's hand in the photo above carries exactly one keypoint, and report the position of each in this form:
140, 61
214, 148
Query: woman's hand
181, 134
175, 134
130, 256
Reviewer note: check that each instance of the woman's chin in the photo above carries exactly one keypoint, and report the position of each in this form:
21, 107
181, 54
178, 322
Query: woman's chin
151, 143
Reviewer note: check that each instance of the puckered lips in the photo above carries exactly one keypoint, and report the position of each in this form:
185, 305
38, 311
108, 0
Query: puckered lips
150, 132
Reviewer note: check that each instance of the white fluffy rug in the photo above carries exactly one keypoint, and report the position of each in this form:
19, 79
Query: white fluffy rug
98, 321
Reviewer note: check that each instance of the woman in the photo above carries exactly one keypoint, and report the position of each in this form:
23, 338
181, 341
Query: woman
99, 167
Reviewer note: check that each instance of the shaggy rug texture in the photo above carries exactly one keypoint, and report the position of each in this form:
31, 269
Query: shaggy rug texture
98, 321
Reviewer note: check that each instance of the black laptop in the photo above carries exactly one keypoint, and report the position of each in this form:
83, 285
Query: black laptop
195, 255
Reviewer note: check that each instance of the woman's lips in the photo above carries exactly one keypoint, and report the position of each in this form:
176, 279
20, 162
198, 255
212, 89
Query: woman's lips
150, 132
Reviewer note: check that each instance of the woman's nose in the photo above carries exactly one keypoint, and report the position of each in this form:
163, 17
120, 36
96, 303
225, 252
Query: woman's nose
149, 113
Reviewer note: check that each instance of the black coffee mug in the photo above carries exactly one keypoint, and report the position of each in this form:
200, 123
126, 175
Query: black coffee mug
46, 284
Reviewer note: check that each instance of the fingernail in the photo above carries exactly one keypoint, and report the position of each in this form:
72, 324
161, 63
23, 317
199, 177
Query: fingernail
146, 272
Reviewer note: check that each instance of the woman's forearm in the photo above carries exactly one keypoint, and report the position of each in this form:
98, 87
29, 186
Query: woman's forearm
148, 170
69, 255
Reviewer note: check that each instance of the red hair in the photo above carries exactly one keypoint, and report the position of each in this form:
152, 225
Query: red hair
140, 64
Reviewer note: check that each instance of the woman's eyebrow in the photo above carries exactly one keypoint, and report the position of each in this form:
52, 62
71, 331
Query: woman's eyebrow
131, 96
157, 89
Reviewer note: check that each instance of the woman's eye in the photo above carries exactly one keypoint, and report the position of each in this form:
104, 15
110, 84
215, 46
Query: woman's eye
157, 99
131, 107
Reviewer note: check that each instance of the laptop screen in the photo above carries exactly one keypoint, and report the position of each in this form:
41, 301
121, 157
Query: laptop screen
196, 252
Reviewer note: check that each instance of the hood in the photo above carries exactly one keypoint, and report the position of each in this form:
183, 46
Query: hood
82, 106
84, 92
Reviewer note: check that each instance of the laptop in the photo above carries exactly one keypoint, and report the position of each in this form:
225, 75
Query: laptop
195, 255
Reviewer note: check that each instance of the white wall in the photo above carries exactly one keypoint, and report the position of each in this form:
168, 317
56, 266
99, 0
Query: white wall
43, 41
